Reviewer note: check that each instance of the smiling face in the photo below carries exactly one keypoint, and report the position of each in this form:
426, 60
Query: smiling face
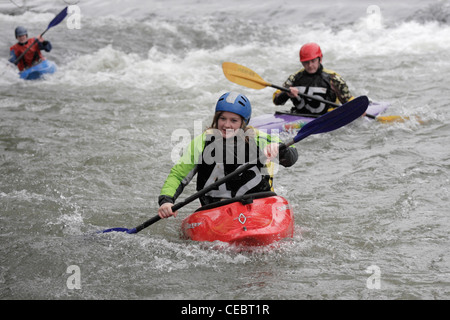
228, 123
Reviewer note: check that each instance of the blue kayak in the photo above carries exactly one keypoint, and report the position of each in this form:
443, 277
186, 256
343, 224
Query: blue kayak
37, 71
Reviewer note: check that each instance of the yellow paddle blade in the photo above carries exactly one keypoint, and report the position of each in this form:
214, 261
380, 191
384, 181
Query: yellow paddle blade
388, 119
243, 76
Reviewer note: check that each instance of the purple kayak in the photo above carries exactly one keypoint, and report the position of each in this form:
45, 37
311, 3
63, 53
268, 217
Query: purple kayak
290, 122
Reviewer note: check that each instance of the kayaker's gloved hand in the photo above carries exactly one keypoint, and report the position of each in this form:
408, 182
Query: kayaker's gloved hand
44, 44
293, 93
288, 155
165, 211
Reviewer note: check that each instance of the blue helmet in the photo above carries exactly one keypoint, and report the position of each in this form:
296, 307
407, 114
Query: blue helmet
20, 31
236, 103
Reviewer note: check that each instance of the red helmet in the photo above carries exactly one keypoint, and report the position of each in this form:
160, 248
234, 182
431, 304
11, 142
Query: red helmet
310, 51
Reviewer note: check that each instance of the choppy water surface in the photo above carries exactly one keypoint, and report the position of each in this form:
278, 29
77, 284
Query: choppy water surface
90, 147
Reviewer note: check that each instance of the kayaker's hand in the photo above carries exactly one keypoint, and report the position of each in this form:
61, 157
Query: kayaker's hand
293, 93
271, 151
40, 39
165, 210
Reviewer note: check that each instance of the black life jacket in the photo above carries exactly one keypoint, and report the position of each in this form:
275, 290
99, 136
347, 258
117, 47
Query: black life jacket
317, 84
221, 157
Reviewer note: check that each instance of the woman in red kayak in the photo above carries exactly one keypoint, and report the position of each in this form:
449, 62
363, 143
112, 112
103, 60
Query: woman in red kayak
220, 150
313, 79
34, 46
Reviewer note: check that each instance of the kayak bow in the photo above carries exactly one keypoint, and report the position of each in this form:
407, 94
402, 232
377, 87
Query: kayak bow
250, 220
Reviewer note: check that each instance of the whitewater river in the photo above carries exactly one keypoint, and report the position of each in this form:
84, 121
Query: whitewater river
89, 148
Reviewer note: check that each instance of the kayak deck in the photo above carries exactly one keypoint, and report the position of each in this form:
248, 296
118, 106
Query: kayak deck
251, 220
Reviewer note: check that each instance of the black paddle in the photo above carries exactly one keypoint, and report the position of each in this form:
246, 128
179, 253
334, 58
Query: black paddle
185, 202
328, 122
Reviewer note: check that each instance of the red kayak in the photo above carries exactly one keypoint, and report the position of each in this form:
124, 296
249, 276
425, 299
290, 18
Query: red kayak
251, 220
